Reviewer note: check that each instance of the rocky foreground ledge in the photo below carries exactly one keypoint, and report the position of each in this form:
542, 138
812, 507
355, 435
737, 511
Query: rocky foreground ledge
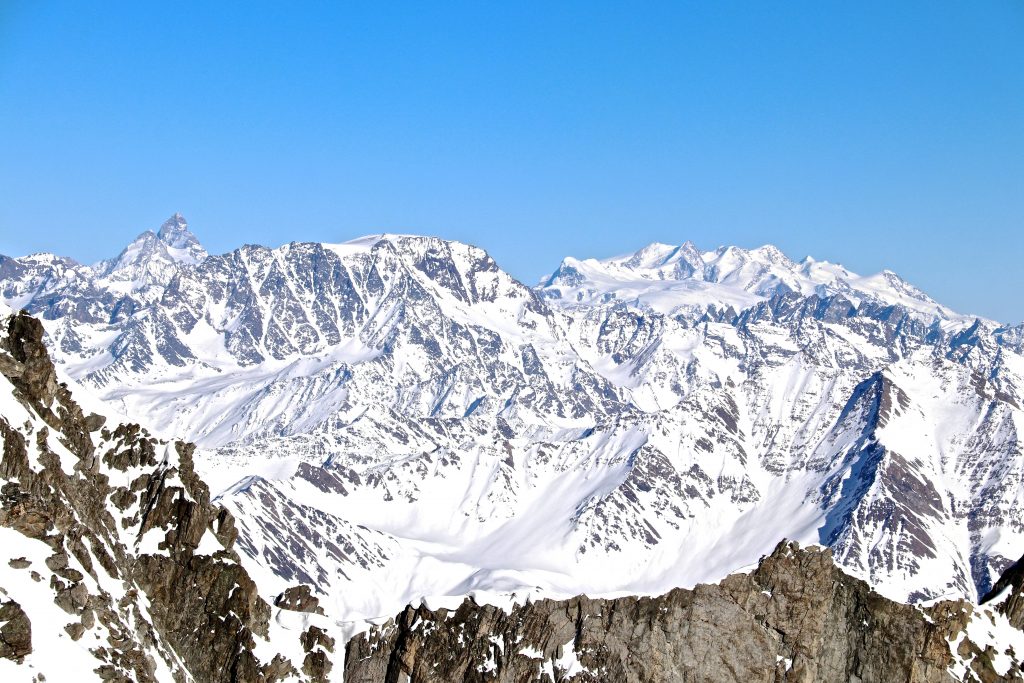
796, 617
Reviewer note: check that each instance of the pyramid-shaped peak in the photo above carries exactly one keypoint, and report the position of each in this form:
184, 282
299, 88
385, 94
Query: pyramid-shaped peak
175, 233
176, 220
173, 243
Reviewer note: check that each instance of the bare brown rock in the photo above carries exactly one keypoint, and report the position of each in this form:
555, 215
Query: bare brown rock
299, 599
15, 631
202, 609
797, 617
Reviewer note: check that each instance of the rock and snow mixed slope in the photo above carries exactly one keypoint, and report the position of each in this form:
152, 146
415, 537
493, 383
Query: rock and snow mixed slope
396, 416
115, 566
144, 586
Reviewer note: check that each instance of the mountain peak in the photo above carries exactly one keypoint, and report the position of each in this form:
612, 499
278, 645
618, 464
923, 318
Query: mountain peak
773, 254
175, 234
151, 257
685, 276
653, 255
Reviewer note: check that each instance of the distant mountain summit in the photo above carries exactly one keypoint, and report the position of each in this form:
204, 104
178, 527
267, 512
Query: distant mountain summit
58, 287
667, 277
152, 258
172, 243
175, 234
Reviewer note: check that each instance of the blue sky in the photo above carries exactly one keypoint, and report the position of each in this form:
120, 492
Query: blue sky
876, 134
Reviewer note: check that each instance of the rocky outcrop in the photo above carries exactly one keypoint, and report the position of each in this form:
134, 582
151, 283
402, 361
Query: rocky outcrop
797, 617
1008, 594
120, 535
15, 631
298, 599
318, 646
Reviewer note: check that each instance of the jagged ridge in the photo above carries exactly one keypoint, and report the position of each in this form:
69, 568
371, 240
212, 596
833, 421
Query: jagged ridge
115, 560
796, 617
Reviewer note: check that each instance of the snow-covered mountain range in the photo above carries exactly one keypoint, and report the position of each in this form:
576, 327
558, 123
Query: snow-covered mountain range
396, 416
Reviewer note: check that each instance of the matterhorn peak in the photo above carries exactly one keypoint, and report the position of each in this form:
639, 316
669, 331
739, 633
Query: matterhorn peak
152, 257
174, 229
175, 234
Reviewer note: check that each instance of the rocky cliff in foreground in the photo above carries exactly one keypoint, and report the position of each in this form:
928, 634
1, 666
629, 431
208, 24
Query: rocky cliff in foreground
796, 617
115, 565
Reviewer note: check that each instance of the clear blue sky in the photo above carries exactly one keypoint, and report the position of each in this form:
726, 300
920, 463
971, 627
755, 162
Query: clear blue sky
878, 134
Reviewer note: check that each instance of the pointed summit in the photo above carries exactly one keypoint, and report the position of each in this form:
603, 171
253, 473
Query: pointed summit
174, 229
153, 257
183, 244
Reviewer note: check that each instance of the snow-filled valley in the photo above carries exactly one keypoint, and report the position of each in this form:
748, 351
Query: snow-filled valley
396, 417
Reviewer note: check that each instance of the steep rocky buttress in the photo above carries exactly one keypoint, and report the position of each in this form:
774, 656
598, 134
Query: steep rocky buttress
1008, 594
116, 562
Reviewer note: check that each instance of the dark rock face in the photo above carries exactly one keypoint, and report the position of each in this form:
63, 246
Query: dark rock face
15, 631
317, 645
797, 617
196, 609
298, 599
1009, 590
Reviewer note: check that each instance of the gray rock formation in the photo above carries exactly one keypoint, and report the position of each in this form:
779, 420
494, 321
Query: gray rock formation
797, 617
1008, 594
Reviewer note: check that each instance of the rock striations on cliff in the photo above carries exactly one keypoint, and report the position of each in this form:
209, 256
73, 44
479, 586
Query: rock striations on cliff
397, 417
